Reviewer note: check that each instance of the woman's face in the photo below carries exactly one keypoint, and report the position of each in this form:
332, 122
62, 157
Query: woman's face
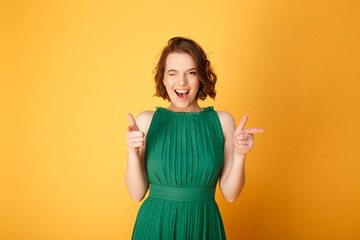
181, 81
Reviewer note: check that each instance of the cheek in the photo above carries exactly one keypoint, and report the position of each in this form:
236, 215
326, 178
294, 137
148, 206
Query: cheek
167, 82
196, 84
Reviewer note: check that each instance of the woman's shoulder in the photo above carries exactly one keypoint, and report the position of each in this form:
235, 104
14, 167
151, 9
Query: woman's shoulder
145, 115
225, 117
143, 119
227, 122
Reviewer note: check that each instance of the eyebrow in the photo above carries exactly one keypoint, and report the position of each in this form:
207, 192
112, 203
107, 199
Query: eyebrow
176, 71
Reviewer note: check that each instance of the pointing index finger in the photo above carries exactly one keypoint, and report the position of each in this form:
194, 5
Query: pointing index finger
241, 124
131, 119
254, 130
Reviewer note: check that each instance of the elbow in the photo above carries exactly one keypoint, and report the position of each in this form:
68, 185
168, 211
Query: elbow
231, 199
137, 197
136, 192
232, 196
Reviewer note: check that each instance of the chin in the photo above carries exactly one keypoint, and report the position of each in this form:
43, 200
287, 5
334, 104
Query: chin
182, 104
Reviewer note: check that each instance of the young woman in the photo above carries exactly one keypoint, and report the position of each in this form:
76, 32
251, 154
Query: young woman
182, 151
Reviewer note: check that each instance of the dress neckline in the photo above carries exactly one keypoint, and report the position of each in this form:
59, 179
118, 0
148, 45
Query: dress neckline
206, 109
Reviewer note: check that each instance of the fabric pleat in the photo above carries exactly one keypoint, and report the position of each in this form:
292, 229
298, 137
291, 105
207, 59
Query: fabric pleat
184, 153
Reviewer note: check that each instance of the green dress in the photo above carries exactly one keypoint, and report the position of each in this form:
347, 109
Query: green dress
184, 157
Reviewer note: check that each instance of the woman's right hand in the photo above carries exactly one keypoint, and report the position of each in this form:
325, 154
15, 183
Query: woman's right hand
134, 137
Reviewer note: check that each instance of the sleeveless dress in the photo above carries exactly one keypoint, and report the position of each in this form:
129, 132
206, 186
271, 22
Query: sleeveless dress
184, 157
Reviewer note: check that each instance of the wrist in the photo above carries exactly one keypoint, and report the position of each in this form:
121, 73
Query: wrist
133, 151
240, 156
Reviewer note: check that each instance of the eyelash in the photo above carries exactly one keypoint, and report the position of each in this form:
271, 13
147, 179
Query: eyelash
171, 74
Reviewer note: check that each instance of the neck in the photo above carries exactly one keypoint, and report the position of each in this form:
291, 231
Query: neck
192, 108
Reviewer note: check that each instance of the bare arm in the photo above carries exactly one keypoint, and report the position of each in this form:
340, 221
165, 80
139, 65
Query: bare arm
237, 143
135, 176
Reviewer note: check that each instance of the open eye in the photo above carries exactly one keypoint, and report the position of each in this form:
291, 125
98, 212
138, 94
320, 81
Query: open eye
192, 73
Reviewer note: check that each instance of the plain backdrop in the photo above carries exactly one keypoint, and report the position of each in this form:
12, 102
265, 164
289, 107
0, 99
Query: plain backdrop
70, 71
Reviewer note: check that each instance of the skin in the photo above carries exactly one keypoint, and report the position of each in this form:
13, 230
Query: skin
238, 140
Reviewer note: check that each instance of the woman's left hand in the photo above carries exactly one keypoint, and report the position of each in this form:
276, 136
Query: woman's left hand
244, 138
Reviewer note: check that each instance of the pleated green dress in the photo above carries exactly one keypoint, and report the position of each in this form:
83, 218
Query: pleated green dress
184, 157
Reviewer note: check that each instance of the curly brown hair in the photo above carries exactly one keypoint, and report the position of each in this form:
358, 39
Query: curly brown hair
205, 73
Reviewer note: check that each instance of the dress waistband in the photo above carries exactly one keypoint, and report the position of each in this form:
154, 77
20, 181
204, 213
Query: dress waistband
182, 193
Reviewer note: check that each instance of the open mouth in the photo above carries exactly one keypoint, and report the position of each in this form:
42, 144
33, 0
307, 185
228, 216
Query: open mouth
182, 93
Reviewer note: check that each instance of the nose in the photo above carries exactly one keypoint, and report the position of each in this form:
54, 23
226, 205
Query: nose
183, 79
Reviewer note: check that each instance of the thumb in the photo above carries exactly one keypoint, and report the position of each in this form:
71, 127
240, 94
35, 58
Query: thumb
133, 125
241, 125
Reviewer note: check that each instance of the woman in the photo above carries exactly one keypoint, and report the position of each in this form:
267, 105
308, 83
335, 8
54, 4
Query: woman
183, 150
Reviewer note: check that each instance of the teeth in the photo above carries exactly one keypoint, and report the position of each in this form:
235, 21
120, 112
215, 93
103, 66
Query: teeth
182, 91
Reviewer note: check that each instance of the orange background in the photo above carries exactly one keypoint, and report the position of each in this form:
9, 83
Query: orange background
71, 70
